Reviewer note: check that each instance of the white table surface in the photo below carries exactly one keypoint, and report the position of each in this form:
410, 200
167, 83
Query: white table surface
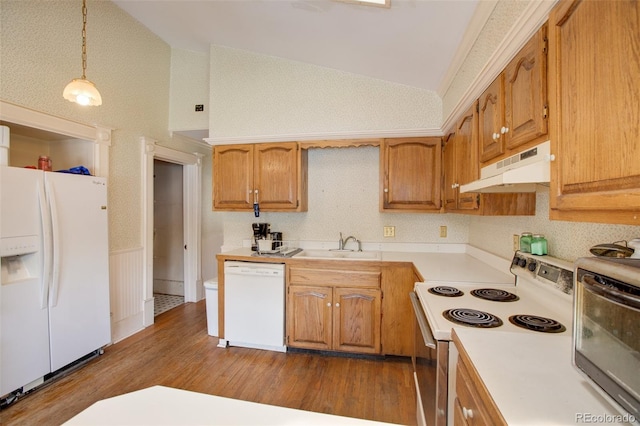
159, 405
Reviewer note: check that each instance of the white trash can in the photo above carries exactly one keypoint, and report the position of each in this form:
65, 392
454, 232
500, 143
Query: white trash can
211, 295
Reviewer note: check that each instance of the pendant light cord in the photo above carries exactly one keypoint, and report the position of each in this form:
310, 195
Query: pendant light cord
84, 39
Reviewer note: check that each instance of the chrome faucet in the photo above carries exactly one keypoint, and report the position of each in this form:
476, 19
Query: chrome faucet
342, 242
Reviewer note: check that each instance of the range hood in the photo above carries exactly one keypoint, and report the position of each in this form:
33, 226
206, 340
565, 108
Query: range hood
518, 173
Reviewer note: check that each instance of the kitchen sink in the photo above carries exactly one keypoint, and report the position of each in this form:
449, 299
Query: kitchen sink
340, 254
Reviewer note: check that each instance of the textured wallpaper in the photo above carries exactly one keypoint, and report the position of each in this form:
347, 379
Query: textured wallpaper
501, 20
40, 52
258, 95
343, 197
189, 87
566, 240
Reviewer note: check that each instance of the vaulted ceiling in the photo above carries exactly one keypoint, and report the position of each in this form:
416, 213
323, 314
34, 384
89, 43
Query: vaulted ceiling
413, 42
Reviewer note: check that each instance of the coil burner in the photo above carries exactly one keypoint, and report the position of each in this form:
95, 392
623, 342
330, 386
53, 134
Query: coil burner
536, 323
446, 291
472, 318
494, 295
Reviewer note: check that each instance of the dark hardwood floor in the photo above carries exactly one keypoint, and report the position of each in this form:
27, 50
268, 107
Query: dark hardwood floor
177, 352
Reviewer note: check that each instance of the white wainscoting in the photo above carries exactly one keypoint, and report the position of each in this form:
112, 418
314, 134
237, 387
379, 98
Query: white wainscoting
127, 294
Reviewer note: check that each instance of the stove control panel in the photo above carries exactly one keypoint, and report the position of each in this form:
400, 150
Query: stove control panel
545, 269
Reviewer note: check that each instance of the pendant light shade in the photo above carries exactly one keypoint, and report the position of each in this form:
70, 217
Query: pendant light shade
81, 90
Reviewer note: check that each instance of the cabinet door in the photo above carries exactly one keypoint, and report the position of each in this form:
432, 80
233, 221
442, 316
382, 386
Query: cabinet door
411, 179
356, 321
449, 169
233, 177
595, 130
398, 320
309, 317
276, 175
490, 121
525, 91
467, 156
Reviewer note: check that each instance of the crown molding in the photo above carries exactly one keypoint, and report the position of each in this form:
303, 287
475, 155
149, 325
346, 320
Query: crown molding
299, 137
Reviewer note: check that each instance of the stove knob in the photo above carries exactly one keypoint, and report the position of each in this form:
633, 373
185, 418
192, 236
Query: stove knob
532, 266
522, 262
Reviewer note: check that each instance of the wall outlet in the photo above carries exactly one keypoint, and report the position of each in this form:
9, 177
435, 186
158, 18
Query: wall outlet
443, 231
389, 231
516, 242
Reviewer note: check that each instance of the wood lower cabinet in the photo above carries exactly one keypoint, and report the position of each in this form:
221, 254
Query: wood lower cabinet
594, 71
334, 309
410, 174
309, 317
272, 174
398, 318
473, 404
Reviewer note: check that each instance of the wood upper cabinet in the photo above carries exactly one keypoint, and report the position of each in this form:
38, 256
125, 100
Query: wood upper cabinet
233, 177
525, 93
330, 309
449, 177
271, 174
491, 120
594, 71
461, 163
513, 109
410, 174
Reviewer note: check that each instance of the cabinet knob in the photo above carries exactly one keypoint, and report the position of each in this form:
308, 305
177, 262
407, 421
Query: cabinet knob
550, 157
386, 190
496, 136
504, 130
329, 304
337, 305
467, 413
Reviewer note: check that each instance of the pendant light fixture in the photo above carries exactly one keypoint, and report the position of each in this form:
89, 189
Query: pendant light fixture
80, 90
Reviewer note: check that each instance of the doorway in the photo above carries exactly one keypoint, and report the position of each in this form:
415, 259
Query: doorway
191, 167
168, 236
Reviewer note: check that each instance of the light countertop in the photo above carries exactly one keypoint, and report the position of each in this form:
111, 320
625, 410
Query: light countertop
532, 380
466, 265
159, 405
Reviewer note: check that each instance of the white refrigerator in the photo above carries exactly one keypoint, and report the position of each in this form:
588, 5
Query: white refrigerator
54, 292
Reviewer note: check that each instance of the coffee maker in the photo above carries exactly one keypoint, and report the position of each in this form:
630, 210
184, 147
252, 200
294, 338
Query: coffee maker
260, 232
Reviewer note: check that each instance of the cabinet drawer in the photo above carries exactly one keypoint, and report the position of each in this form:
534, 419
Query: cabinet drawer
334, 278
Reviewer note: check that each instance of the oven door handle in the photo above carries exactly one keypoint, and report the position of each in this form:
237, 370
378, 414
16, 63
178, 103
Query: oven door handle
595, 287
429, 341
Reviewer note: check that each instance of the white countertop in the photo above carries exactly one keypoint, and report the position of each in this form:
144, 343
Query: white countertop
159, 405
532, 380
458, 263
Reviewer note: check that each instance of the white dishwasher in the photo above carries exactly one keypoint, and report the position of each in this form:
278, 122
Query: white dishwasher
254, 296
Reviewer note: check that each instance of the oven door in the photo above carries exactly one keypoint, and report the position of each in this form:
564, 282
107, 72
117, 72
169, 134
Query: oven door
430, 364
606, 338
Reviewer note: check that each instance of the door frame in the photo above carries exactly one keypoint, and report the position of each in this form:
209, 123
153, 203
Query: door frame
192, 217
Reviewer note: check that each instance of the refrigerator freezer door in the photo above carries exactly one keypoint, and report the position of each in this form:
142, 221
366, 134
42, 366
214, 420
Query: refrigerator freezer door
24, 324
79, 314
